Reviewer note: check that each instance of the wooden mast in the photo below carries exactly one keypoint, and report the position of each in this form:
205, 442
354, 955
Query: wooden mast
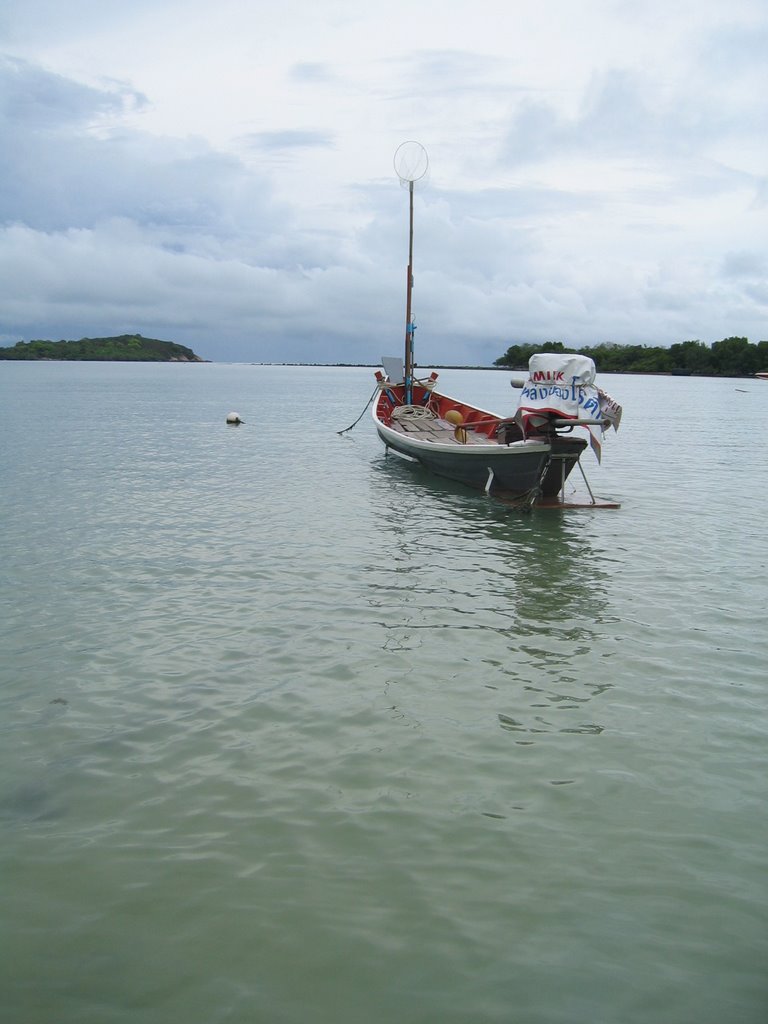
409, 326
411, 164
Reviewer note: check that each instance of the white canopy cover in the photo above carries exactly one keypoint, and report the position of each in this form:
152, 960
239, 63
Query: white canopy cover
563, 385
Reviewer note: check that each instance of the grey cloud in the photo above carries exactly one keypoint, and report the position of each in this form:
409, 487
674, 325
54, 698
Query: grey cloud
311, 72
454, 69
287, 140
32, 97
118, 230
622, 115
443, 74
58, 183
44, 20
736, 50
761, 193
56, 174
115, 278
517, 202
745, 264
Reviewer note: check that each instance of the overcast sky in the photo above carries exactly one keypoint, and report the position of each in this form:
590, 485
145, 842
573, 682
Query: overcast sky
220, 173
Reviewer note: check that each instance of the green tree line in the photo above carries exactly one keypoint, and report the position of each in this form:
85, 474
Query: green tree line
125, 347
731, 357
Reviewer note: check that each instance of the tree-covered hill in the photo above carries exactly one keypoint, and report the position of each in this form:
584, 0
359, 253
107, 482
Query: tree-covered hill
731, 357
125, 347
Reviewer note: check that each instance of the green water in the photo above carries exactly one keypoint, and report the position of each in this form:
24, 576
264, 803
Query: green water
294, 734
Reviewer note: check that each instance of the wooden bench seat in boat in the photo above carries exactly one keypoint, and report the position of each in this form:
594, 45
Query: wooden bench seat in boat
437, 430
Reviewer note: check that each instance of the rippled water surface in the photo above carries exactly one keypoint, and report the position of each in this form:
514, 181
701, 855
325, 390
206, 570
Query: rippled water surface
294, 734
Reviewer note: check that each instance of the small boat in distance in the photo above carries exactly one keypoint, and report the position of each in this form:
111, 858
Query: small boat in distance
762, 376
525, 458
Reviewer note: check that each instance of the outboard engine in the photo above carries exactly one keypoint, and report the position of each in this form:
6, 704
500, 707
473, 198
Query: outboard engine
560, 394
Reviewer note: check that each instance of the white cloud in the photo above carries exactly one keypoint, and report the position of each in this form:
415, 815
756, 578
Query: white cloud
224, 178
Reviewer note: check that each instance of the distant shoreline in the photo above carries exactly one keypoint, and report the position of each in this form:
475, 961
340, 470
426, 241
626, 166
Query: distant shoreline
506, 369
133, 348
365, 366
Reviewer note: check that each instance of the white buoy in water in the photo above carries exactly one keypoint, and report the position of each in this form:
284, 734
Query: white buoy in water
234, 419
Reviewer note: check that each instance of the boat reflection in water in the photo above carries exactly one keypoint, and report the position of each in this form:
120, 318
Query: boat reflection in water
471, 597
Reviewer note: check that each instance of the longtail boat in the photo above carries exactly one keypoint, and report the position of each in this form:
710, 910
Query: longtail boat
525, 457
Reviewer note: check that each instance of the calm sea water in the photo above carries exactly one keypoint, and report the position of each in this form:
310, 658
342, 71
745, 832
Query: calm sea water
294, 734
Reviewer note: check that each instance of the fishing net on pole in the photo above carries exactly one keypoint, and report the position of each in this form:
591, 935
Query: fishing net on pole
411, 163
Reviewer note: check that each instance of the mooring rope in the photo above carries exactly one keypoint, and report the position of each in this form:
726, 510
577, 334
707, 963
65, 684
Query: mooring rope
373, 394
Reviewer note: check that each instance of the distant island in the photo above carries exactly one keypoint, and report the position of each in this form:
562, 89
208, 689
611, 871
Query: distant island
731, 357
124, 348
